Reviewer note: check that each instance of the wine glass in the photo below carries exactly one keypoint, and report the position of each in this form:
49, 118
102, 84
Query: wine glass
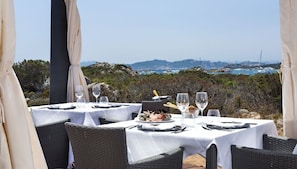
79, 92
96, 91
182, 103
201, 101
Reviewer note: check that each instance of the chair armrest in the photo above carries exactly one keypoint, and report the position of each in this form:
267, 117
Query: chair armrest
246, 158
170, 160
277, 143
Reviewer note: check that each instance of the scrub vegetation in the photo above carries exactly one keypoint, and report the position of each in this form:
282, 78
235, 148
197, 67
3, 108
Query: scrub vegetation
231, 94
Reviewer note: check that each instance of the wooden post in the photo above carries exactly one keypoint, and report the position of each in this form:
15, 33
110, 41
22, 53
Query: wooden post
59, 62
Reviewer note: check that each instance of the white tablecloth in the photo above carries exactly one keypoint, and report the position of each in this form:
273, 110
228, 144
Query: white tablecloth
196, 140
84, 113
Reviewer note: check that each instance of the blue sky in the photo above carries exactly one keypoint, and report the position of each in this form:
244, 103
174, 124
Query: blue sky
129, 31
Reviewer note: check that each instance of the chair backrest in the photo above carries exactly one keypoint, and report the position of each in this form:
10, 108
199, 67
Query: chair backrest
154, 105
250, 158
55, 144
104, 121
277, 143
134, 115
98, 147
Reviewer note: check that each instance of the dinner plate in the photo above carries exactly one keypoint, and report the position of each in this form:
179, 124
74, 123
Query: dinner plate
227, 125
159, 127
164, 121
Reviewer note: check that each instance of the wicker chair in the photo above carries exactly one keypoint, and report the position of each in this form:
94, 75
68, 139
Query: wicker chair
102, 147
104, 121
276, 143
55, 144
251, 158
276, 154
154, 105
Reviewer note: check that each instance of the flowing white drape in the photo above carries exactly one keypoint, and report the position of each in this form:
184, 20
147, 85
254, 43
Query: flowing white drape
288, 25
19, 144
75, 74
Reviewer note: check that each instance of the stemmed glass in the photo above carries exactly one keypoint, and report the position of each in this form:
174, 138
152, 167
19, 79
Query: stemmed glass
201, 101
182, 103
96, 91
79, 92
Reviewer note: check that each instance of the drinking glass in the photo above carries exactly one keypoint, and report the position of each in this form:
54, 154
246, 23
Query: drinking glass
213, 115
96, 91
79, 92
182, 103
103, 100
201, 101
213, 112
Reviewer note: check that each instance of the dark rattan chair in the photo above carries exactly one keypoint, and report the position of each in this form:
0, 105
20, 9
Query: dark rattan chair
251, 158
55, 144
276, 143
276, 153
134, 115
102, 147
105, 121
154, 105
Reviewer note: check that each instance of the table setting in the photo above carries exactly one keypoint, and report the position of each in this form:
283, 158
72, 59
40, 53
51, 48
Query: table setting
192, 130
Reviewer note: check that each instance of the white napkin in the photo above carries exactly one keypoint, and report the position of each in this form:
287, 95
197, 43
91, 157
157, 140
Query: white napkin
157, 126
227, 125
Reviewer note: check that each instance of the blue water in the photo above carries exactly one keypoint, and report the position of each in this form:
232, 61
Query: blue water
237, 71
267, 70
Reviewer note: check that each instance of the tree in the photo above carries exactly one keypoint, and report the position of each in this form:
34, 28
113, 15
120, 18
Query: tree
32, 74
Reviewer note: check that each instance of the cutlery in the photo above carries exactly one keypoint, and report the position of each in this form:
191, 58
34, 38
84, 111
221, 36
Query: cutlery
132, 126
180, 130
205, 127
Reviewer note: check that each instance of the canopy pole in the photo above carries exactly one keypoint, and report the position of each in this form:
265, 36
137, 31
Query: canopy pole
59, 61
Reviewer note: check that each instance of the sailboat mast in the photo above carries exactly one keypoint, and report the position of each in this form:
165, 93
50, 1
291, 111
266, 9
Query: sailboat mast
260, 62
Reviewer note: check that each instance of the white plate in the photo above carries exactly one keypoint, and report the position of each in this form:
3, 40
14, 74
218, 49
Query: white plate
165, 121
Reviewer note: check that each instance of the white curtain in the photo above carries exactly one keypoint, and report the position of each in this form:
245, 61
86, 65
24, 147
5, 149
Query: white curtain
288, 25
75, 74
19, 144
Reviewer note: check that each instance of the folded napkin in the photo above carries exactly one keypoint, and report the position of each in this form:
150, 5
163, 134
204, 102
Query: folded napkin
219, 126
62, 107
159, 127
105, 106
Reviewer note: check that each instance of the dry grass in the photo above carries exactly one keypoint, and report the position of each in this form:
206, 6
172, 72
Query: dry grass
195, 162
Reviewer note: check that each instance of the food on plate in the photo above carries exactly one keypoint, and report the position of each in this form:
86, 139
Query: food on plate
151, 116
171, 105
191, 109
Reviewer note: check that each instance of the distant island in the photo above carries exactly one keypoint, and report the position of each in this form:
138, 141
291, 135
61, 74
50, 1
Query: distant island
163, 66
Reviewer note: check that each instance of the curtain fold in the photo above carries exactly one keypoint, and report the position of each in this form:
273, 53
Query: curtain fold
288, 28
19, 144
75, 74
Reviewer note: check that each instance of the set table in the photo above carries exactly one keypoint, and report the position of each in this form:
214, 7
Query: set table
195, 139
83, 113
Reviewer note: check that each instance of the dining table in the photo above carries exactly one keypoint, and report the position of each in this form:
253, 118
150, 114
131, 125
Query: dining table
145, 139
83, 113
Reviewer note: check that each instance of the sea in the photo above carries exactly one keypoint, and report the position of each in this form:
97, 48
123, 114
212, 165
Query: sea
235, 71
